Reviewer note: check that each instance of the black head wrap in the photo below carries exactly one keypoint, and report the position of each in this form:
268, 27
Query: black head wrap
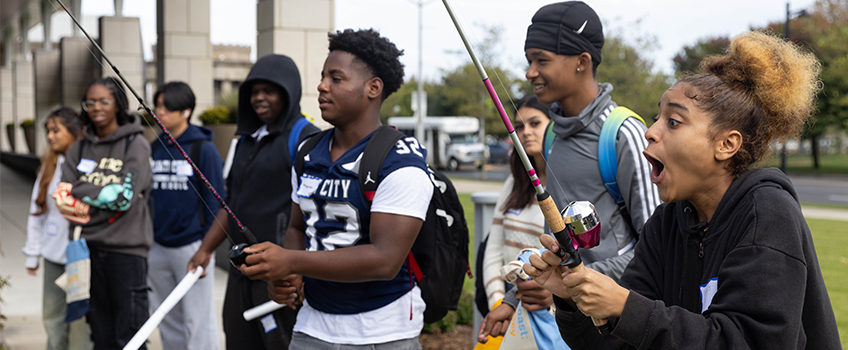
567, 28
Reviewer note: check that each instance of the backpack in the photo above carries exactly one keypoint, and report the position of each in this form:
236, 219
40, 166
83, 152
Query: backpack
439, 256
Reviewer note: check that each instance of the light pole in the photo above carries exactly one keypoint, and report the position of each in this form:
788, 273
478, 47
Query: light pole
789, 15
420, 112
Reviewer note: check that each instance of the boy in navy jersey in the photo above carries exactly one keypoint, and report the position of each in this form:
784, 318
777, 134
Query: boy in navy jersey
351, 254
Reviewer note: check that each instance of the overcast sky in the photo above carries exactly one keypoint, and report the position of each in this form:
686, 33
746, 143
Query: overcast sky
674, 23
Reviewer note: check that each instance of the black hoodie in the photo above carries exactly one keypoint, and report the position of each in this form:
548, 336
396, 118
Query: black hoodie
753, 267
259, 183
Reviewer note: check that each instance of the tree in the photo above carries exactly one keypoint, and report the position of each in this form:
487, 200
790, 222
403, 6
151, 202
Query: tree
636, 85
824, 32
689, 58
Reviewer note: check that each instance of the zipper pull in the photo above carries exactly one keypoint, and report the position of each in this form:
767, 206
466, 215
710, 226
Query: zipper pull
701, 252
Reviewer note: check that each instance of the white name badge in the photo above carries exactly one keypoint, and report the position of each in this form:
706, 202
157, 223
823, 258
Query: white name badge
708, 291
184, 169
308, 185
86, 165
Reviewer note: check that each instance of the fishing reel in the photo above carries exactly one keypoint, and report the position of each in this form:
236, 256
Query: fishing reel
237, 254
582, 230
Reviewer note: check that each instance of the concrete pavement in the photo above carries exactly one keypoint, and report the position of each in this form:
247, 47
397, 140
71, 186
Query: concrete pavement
22, 300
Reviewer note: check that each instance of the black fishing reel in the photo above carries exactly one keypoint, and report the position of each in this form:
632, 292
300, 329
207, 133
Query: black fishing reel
237, 254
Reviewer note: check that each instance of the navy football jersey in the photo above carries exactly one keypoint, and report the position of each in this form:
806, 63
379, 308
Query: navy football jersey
338, 216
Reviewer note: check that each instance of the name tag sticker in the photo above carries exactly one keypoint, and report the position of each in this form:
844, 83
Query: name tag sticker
86, 165
268, 323
308, 185
184, 169
708, 291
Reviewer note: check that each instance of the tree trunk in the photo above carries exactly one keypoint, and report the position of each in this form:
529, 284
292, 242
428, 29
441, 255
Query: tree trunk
815, 150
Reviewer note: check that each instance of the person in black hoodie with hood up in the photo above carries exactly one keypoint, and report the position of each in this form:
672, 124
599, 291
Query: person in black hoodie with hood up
729, 262
259, 193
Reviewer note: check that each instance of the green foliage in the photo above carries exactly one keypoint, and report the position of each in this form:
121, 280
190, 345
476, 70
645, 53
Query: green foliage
4, 282
399, 104
217, 115
27, 123
689, 58
463, 315
635, 84
824, 32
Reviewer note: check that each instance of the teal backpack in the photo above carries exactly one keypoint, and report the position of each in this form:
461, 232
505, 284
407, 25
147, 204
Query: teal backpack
607, 155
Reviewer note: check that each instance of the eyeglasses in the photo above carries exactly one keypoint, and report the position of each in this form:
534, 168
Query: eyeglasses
87, 105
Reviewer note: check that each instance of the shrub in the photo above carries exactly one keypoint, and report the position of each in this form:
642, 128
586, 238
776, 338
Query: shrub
463, 315
28, 123
217, 115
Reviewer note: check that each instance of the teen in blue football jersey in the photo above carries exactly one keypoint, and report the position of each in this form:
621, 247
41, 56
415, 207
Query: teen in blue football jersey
351, 254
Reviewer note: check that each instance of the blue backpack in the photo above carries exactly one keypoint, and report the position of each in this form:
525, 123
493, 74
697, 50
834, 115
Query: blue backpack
607, 155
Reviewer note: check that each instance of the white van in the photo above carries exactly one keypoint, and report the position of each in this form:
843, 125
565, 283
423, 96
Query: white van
450, 141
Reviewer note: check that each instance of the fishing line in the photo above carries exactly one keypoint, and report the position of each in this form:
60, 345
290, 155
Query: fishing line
249, 237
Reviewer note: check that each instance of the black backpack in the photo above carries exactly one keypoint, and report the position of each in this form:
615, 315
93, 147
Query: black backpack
439, 256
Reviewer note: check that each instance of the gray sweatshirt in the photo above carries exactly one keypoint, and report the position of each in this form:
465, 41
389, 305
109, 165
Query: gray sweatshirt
573, 174
113, 176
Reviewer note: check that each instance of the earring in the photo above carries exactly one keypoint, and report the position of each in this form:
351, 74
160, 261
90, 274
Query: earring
578, 69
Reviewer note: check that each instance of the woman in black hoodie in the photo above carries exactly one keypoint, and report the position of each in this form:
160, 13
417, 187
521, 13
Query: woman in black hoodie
729, 262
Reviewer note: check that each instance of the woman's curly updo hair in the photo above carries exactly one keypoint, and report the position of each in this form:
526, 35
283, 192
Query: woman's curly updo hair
378, 53
763, 87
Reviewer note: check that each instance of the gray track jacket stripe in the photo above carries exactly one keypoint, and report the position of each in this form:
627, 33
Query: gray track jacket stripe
573, 174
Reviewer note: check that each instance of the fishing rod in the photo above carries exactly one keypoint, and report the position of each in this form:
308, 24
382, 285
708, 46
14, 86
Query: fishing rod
236, 256
578, 216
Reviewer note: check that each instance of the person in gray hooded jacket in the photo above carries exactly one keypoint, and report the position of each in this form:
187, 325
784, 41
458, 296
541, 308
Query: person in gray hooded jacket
563, 50
106, 182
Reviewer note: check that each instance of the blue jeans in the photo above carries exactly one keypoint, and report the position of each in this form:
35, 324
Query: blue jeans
119, 305
60, 335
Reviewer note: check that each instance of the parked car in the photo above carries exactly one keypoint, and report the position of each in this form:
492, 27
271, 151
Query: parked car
499, 152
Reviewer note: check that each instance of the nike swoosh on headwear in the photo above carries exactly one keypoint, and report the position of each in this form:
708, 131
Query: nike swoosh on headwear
580, 30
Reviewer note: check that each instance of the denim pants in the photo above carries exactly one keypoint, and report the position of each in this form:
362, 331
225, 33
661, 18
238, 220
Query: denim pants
60, 335
119, 305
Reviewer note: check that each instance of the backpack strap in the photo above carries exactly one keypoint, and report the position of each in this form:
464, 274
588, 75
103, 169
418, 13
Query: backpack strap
381, 143
608, 157
294, 136
548, 140
194, 154
308, 145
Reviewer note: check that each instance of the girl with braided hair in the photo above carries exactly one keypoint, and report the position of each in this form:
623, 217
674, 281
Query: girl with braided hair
729, 261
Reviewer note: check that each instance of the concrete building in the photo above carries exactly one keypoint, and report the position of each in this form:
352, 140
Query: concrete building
34, 79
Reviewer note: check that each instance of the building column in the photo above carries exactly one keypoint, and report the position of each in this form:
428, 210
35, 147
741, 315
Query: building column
6, 106
77, 69
120, 39
298, 29
76, 9
184, 52
6, 95
23, 30
24, 100
119, 8
46, 23
48, 91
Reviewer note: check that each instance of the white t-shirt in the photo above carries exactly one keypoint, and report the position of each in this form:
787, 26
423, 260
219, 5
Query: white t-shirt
406, 191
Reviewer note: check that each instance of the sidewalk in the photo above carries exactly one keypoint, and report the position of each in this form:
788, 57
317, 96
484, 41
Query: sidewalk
22, 300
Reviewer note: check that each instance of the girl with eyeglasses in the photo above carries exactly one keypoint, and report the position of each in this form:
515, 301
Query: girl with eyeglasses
106, 183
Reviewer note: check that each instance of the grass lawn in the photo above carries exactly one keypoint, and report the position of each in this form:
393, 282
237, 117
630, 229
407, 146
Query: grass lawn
801, 164
831, 242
